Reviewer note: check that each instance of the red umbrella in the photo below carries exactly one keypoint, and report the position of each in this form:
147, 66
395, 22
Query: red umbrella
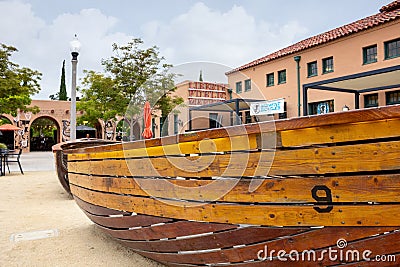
9, 127
147, 133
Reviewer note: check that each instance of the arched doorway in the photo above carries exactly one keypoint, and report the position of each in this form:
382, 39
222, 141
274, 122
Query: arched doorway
7, 137
44, 133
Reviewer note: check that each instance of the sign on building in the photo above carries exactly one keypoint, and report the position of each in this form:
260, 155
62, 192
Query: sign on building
267, 107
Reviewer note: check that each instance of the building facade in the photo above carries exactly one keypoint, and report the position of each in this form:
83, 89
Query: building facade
353, 66
196, 94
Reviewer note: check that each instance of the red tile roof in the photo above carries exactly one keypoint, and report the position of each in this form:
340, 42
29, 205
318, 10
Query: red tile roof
387, 13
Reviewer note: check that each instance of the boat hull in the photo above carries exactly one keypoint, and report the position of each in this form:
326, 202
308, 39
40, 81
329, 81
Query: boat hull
237, 196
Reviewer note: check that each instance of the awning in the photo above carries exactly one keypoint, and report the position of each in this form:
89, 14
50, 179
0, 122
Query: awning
84, 128
233, 105
9, 127
370, 81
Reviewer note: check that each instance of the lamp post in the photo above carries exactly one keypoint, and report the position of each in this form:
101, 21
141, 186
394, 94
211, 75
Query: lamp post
297, 59
75, 47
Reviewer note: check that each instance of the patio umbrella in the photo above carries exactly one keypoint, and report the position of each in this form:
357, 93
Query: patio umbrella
147, 133
9, 127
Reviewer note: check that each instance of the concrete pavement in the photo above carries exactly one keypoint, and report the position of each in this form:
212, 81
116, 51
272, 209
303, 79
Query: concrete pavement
34, 161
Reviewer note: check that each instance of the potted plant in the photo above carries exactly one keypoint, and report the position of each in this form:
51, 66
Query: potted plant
3, 147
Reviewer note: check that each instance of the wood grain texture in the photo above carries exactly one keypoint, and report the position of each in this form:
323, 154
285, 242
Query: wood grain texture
330, 119
262, 214
125, 222
344, 189
311, 161
316, 239
329, 134
62, 170
168, 230
222, 239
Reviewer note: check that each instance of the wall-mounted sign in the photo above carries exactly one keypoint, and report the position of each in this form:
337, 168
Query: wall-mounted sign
323, 108
267, 107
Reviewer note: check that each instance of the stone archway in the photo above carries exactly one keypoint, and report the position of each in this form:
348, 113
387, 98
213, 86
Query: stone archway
44, 133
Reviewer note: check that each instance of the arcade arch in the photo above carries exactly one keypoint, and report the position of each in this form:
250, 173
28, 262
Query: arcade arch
44, 133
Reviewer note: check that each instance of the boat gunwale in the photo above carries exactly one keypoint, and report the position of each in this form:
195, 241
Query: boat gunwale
329, 119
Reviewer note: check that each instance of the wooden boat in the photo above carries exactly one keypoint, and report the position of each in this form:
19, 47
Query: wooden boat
280, 193
61, 158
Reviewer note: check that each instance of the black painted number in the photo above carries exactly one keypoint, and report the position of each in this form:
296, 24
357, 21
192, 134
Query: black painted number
326, 197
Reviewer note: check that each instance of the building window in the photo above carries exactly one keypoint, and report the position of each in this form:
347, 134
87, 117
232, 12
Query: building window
321, 107
393, 98
392, 49
153, 126
370, 54
247, 85
238, 87
371, 100
215, 120
247, 118
284, 114
312, 69
270, 79
281, 76
327, 65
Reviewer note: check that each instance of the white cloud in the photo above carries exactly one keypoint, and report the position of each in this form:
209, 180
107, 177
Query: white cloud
232, 38
43, 46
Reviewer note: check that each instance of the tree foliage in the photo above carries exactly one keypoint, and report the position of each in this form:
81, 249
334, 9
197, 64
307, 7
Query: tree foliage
62, 94
99, 99
133, 74
17, 84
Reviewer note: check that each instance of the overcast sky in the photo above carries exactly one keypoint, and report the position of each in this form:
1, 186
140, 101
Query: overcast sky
229, 33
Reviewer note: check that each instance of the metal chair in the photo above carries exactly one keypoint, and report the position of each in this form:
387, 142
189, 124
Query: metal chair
10, 158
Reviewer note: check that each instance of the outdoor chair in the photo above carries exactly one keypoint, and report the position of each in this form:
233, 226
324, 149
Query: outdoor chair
14, 157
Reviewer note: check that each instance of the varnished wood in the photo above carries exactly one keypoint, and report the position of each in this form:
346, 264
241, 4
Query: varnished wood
98, 210
336, 170
125, 222
289, 138
344, 189
225, 144
222, 239
329, 134
262, 214
317, 239
62, 170
354, 116
168, 230
310, 161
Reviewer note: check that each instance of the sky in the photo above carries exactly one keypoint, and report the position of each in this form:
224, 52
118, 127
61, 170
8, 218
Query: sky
222, 33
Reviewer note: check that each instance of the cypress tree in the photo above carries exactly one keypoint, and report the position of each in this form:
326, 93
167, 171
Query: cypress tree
62, 95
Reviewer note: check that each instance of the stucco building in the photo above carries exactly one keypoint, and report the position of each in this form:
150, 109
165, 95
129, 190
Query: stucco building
356, 66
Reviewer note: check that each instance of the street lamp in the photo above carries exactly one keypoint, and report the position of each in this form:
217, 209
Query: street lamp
75, 47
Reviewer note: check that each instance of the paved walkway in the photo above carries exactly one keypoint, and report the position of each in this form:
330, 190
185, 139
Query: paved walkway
35, 161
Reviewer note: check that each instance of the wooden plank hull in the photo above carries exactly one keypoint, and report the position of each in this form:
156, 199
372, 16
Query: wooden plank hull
231, 196
61, 160
185, 243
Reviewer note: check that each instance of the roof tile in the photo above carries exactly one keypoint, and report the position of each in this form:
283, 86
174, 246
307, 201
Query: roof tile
387, 13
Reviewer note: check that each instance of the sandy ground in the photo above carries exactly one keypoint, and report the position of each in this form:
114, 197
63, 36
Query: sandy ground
36, 202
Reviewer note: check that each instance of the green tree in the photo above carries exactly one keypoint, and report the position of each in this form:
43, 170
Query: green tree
159, 91
99, 99
132, 67
132, 75
62, 94
17, 84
